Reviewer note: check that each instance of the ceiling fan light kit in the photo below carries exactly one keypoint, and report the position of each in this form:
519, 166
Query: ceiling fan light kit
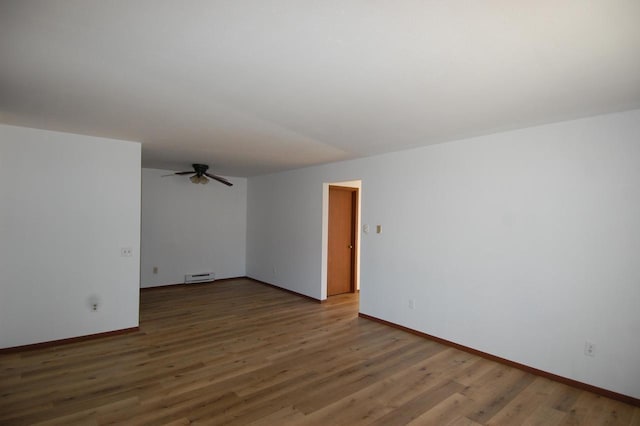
199, 179
200, 175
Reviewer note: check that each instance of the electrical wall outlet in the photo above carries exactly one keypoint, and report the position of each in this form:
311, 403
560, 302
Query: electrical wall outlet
589, 348
94, 302
126, 252
412, 304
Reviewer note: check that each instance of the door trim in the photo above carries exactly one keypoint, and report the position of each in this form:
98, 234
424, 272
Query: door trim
354, 183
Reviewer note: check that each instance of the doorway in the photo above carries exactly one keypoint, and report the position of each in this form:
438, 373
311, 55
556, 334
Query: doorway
342, 240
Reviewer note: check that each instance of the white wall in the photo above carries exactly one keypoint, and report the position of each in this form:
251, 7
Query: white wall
68, 204
522, 244
188, 228
284, 230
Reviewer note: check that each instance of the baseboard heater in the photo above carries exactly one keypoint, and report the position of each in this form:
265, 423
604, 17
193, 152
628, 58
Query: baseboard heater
199, 278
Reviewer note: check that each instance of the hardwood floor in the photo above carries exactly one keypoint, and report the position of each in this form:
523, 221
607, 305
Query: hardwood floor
238, 352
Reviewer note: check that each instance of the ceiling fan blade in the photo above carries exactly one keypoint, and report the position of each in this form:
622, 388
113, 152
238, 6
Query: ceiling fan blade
219, 179
184, 173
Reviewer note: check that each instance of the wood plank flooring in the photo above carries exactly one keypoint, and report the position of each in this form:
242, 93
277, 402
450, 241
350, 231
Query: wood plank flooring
238, 352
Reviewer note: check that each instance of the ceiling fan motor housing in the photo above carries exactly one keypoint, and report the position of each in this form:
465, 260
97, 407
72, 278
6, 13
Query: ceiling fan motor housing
200, 169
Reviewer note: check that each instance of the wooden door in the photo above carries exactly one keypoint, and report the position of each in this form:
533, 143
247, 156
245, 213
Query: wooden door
342, 242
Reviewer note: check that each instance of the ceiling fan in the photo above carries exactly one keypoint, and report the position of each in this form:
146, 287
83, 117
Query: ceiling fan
200, 175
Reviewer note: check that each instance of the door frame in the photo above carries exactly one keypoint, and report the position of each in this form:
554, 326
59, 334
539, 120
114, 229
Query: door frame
356, 183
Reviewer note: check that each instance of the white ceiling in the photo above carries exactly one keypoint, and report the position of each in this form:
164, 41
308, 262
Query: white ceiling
259, 86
